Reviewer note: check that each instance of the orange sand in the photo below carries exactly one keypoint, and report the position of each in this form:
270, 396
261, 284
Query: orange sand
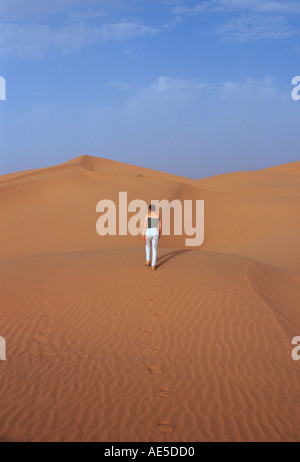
101, 348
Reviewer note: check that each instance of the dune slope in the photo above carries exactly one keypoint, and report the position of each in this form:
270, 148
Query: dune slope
100, 348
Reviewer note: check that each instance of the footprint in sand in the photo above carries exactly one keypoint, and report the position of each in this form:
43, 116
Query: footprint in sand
148, 332
165, 426
155, 370
157, 316
164, 393
154, 348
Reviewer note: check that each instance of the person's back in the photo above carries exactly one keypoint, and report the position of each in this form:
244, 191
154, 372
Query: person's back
153, 221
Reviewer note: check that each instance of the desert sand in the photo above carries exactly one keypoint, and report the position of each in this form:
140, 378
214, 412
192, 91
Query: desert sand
102, 348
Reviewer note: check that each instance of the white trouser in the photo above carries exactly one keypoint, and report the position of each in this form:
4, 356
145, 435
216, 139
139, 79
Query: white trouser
152, 236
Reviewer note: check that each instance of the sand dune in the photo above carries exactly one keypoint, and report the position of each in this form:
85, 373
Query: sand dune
101, 348
54, 209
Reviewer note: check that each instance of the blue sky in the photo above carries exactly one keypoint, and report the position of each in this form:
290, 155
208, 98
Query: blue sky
195, 88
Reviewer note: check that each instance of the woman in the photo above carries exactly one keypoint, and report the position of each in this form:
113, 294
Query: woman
151, 233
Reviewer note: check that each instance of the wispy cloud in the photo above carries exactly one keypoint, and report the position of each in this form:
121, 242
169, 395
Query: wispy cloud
122, 86
191, 10
163, 87
125, 30
168, 96
256, 6
193, 89
35, 29
38, 40
250, 89
249, 19
280, 7
166, 84
255, 27
30, 10
192, 99
87, 14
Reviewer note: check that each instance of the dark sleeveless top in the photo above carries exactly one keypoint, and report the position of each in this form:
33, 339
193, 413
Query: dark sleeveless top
153, 222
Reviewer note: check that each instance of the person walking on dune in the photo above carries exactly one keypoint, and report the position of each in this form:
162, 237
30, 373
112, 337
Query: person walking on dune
151, 234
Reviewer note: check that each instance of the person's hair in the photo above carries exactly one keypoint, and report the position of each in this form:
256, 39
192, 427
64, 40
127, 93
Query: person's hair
152, 207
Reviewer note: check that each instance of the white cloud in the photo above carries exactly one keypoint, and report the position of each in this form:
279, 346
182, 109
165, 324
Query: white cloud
182, 91
38, 40
182, 94
170, 85
122, 86
34, 28
250, 89
255, 6
165, 93
86, 14
281, 7
196, 9
35, 41
14, 10
125, 30
249, 19
190, 101
255, 27
169, 100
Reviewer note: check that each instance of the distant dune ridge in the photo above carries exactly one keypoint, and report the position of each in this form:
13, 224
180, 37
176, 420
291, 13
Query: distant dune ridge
101, 348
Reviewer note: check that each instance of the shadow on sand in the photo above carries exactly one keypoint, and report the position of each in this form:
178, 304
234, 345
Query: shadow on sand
168, 256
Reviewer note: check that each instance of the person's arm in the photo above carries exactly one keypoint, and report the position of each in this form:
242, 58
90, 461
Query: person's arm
160, 227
